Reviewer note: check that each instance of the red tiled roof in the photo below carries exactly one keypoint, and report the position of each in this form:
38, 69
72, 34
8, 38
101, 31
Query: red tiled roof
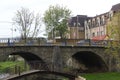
99, 37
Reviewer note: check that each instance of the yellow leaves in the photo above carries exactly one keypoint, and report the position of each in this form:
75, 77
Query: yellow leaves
113, 27
113, 31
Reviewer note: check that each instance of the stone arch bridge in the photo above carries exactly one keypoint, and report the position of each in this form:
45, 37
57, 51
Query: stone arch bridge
60, 58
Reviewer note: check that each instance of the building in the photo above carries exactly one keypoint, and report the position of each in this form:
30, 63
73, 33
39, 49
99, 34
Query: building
76, 27
94, 28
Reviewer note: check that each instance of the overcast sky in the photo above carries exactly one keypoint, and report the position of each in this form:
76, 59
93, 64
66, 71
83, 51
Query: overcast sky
78, 7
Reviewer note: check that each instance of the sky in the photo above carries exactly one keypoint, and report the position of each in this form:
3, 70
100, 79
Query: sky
8, 9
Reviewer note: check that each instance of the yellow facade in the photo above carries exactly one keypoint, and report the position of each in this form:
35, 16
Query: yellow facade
76, 34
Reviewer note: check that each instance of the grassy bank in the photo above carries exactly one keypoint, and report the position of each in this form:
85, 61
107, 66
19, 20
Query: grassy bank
102, 76
9, 66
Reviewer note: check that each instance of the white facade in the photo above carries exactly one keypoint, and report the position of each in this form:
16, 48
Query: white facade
96, 26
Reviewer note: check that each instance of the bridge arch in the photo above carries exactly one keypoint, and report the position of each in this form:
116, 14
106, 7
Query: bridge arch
32, 59
87, 61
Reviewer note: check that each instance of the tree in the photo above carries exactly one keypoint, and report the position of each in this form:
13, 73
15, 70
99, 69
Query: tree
55, 19
113, 31
113, 27
27, 23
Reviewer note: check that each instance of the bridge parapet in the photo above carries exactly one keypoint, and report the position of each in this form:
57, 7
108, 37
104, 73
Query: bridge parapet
43, 41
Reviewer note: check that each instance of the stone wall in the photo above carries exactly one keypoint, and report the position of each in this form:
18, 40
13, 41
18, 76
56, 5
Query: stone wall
45, 53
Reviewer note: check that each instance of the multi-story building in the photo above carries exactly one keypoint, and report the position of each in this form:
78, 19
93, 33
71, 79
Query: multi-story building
76, 27
95, 28
83, 27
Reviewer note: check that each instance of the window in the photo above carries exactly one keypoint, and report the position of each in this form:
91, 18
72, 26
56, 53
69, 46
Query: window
102, 33
103, 20
89, 24
97, 33
98, 22
87, 36
93, 34
74, 24
110, 15
93, 23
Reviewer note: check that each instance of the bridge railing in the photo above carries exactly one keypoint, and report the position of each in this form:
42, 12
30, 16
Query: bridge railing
19, 41
44, 42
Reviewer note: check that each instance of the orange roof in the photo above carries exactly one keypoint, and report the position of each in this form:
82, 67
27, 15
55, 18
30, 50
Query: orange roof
103, 37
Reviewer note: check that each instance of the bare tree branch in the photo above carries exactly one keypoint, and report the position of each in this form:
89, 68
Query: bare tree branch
25, 20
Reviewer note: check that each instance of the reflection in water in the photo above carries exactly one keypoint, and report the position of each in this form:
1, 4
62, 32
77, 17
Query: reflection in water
43, 77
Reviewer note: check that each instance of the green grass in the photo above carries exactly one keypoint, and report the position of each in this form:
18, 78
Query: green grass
9, 66
102, 76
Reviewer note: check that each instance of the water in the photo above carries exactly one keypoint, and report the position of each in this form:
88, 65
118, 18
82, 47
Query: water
4, 75
37, 76
42, 77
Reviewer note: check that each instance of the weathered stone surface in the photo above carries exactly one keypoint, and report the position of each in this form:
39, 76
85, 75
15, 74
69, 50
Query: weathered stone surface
45, 53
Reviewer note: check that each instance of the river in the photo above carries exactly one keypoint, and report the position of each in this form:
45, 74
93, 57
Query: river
37, 77
3, 75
